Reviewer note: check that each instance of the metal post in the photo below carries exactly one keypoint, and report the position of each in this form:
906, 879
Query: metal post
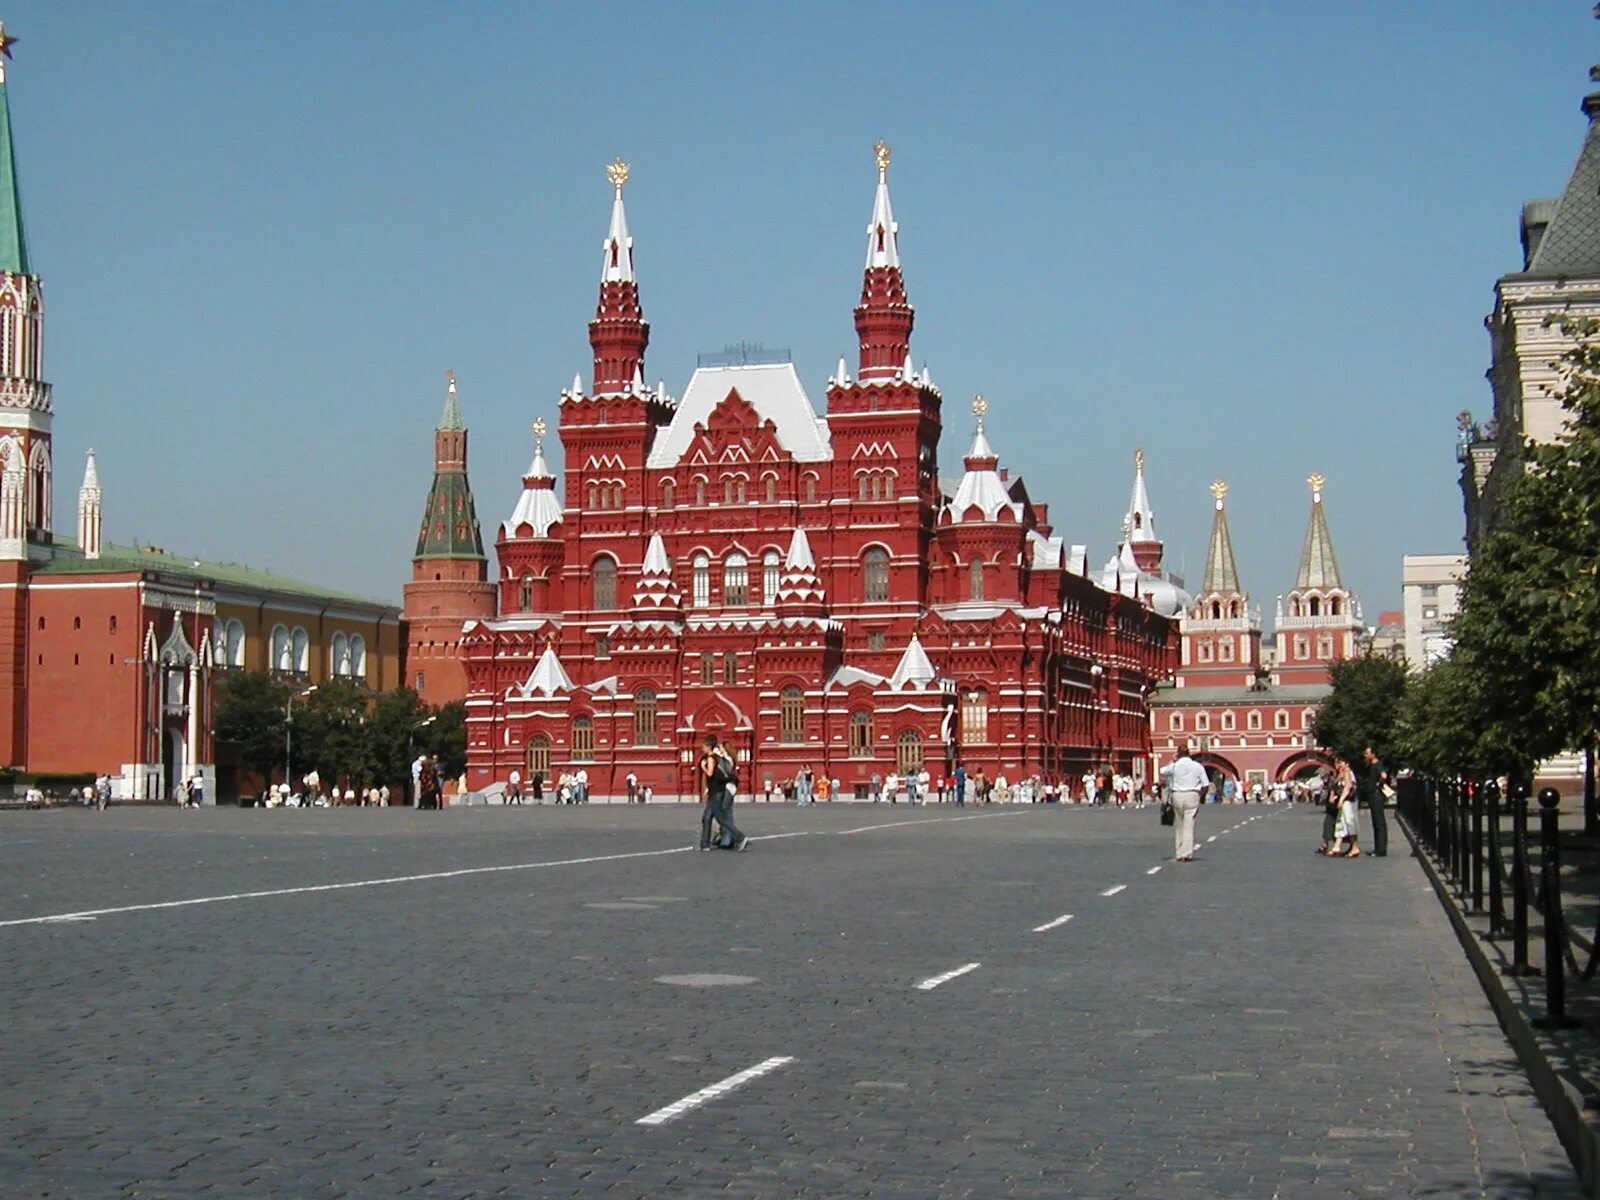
1497, 899
1462, 840
1519, 883
1477, 847
1555, 933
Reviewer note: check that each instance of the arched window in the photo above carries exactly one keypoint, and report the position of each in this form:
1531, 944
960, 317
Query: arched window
860, 734
525, 594
358, 656
282, 653
727, 490
865, 488
791, 715
1216, 610
736, 579
738, 489
644, 717
1175, 723
668, 490
708, 669
1225, 649
605, 582
699, 491
908, 752
233, 642
977, 580
730, 668
875, 573
1280, 719
302, 650
770, 484
341, 655
1333, 606
1203, 650
590, 493
1305, 718
1316, 606
1252, 720
582, 739
809, 487
1228, 721
974, 717
1202, 722
700, 594
538, 755
769, 577
1325, 647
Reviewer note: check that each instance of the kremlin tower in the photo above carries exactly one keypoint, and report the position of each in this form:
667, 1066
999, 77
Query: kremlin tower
449, 572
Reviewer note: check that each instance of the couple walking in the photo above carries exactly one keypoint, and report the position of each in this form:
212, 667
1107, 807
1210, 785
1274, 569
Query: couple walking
1342, 797
720, 779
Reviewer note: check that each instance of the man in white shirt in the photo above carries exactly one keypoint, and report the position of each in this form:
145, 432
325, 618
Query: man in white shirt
1188, 781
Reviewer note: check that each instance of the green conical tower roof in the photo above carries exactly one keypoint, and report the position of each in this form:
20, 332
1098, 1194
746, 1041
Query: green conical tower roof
1318, 566
1222, 573
13, 244
450, 521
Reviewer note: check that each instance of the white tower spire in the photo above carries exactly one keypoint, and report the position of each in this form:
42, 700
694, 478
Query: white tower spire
89, 510
618, 264
883, 244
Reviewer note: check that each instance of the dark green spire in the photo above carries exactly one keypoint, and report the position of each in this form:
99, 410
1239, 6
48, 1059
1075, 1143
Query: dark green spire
13, 244
450, 522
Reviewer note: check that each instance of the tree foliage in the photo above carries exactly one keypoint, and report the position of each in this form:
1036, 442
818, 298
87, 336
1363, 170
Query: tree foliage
249, 713
1363, 708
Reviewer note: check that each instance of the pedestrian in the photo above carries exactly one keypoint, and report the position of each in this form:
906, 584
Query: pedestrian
960, 784
537, 784
913, 787
580, 790
514, 787
383, 796
892, 786
102, 792
1348, 827
1375, 789
633, 788
416, 779
876, 787
719, 778
1187, 780
647, 795
428, 784
820, 788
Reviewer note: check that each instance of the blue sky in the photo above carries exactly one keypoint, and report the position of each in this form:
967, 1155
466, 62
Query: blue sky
1257, 239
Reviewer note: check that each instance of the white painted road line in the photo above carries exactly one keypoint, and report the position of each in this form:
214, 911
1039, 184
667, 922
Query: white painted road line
1021, 812
927, 985
1152, 870
1112, 891
1212, 838
707, 1094
1061, 920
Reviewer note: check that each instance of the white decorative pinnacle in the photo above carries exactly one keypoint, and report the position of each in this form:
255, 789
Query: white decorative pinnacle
618, 264
89, 510
883, 248
842, 376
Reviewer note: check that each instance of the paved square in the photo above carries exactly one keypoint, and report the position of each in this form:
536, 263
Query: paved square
573, 1002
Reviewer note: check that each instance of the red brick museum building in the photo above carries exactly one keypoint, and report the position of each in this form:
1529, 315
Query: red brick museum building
804, 584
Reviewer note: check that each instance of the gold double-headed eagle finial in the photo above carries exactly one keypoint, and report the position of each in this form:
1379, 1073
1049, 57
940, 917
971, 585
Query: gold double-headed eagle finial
880, 152
1138, 459
617, 172
450, 378
539, 427
1219, 489
1316, 481
979, 406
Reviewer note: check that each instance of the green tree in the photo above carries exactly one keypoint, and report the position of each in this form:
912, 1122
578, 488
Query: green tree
1439, 726
447, 738
1362, 709
332, 726
249, 714
392, 726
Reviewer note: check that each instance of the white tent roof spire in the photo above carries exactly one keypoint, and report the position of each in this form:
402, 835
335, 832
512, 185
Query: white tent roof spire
618, 264
1140, 521
883, 244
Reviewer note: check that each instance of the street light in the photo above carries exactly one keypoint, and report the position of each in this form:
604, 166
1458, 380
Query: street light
288, 726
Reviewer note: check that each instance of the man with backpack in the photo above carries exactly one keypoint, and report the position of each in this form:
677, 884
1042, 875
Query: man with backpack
719, 779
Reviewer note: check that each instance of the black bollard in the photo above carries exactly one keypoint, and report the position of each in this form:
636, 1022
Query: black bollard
1497, 896
1458, 840
1477, 846
1519, 883
1555, 932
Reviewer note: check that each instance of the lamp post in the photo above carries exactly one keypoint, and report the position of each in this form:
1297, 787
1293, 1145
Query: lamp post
411, 739
288, 726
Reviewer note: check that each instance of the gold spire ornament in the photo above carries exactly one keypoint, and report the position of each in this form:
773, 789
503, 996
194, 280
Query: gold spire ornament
1219, 489
6, 40
617, 172
450, 378
539, 427
979, 407
880, 152
1316, 482
1138, 459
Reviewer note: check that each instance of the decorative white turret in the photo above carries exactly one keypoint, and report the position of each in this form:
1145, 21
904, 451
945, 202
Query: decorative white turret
537, 506
799, 583
13, 500
89, 510
657, 592
549, 676
914, 669
981, 487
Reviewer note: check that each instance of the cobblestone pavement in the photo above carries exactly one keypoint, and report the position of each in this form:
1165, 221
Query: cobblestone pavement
1262, 1023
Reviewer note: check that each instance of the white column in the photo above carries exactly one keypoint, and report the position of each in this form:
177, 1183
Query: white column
189, 756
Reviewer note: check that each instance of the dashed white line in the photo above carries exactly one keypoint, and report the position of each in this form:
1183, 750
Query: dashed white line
1112, 891
1212, 838
707, 1094
927, 985
1061, 920
1152, 870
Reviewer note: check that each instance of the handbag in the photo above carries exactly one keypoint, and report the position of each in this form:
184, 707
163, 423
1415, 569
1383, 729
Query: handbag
1168, 816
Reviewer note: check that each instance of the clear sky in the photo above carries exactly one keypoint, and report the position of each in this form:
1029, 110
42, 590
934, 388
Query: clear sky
1257, 239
